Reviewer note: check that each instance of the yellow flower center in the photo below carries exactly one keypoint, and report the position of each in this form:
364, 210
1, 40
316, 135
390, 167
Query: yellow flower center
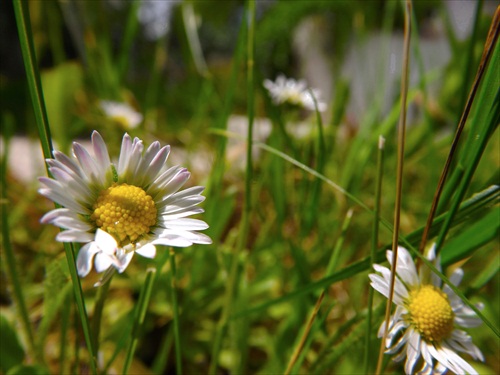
431, 313
124, 211
122, 120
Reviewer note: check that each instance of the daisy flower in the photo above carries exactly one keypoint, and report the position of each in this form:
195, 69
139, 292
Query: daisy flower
121, 209
121, 113
288, 90
428, 318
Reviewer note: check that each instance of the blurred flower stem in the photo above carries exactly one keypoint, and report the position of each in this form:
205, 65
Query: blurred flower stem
139, 315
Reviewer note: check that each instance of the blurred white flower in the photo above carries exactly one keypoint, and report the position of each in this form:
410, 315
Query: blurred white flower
155, 17
288, 90
121, 113
427, 318
118, 210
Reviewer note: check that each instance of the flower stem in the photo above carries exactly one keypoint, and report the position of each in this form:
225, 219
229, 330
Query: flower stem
102, 293
175, 307
139, 315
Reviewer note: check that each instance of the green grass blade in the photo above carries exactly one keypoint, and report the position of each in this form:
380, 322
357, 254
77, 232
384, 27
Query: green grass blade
139, 315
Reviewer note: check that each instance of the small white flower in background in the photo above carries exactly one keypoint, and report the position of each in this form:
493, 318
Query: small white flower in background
118, 210
155, 17
121, 113
428, 317
288, 90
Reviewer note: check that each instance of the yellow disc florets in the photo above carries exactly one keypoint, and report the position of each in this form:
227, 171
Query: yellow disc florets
124, 211
430, 313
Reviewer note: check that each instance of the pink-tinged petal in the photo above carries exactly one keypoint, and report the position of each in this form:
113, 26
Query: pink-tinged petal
185, 224
148, 156
405, 267
158, 162
103, 261
193, 237
74, 236
78, 187
135, 157
54, 214
148, 251
172, 240
172, 204
378, 283
84, 258
181, 213
71, 223
100, 152
176, 182
66, 162
162, 179
87, 163
125, 152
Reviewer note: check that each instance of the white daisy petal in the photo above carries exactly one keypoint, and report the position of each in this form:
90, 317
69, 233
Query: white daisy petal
106, 242
89, 166
103, 261
124, 261
185, 224
412, 352
172, 240
71, 235
124, 153
101, 153
148, 251
85, 257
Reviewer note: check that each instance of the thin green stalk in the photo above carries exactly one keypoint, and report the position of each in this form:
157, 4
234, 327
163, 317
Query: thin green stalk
303, 339
175, 306
399, 177
139, 315
65, 321
373, 250
80, 302
128, 37
311, 210
10, 260
36, 92
102, 293
334, 259
245, 222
